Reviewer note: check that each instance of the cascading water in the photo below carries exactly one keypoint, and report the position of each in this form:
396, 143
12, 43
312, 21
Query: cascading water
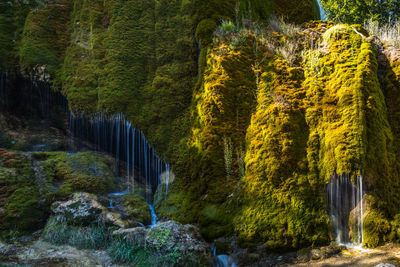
322, 12
222, 260
153, 216
29, 97
115, 135
3, 89
345, 205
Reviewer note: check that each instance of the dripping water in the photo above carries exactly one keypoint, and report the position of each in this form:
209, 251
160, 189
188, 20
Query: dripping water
345, 197
4, 90
322, 12
115, 135
222, 260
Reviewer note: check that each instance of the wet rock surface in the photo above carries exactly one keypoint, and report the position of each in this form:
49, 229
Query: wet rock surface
41, 253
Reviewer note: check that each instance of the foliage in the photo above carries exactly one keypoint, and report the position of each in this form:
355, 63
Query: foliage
300, 121
12, 20
376, 229
385, 11
59, 233
124, 251
204, 32
277, 184
128, 251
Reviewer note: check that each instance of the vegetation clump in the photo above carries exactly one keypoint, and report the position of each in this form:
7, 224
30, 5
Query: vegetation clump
137, 208
81, 172
24, 199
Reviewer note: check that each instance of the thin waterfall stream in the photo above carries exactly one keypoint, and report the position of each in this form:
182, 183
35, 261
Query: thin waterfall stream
346, 209
115, 135
322, 12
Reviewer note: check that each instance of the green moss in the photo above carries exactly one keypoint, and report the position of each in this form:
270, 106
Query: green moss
204, 31
349, 121
376, 229
137, 208
278, 209
297, 122
45, 38
24, 200
81, 172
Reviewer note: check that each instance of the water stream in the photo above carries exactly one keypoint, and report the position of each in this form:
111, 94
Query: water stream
115, 135
322, 12
346, 209
153, 216
222, 260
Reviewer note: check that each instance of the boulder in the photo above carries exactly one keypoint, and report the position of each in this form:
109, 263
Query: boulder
175, 236
137, 234
84, 209
169, 237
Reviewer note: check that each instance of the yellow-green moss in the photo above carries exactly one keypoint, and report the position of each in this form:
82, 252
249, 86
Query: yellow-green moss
348, 120
284, 205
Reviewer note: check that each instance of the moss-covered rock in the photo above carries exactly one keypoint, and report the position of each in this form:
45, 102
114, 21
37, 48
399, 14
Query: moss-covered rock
136, 208
81, 172
29, 184
24, 197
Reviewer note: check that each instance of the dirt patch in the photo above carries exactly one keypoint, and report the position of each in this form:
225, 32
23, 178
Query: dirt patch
354, 257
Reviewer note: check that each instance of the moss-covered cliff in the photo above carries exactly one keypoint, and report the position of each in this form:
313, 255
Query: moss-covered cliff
255, 115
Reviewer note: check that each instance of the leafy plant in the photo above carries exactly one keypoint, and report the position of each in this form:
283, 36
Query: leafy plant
359, 11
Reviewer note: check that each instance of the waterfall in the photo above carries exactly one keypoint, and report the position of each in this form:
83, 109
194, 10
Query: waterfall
3, 89
345, 204
222, 260
167, 180
322, 12
115, 135
153, 216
